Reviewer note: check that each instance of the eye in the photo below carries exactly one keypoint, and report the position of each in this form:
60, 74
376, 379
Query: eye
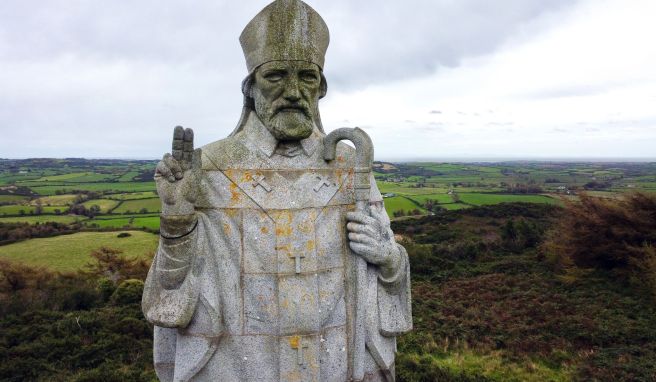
274, 76
309, 77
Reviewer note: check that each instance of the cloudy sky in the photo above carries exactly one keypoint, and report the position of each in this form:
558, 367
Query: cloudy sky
428, 79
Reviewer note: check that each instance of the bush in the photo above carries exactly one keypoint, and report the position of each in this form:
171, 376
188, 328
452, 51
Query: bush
128, 292
123, 234
616, 235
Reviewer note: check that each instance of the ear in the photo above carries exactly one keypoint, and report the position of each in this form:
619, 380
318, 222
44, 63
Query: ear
247, 90
323, 87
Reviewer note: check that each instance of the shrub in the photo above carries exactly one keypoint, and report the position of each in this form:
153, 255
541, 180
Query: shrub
616, 235
128, 292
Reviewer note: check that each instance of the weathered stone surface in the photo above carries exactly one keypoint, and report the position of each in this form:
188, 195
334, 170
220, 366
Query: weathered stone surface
276, 261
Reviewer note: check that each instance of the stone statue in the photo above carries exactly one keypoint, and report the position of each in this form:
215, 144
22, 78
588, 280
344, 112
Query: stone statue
276, 260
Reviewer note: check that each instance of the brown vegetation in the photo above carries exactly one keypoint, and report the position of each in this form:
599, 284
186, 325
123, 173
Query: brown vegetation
607, 235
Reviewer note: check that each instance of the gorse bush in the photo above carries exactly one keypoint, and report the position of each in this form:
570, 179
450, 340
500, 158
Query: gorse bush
616, 235
80, 326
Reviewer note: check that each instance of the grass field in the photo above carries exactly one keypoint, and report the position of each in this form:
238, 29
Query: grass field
105, 204
405, 189
134, 206
77, 177
142, 221
56, 200
108, 187
71, 252
15, 209
12, 198
397, 203
128, 176
134, 195
440, 198
66, 219
483, 199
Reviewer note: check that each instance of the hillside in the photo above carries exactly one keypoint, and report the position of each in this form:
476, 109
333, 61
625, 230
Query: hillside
487, 307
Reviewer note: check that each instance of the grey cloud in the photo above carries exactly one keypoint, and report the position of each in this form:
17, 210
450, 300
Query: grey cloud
129, 71
384, 41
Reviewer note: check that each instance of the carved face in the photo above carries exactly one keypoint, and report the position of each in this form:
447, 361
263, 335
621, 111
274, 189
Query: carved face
286, 95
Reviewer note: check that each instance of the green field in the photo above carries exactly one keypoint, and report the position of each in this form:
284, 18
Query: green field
139, 221
71, 252
483, 199
398, 203
66, 219
128, 176
56, 200
135, 206
15, 209
108, 187
105, 205
134, 195
406, 189
12, 198
440, 198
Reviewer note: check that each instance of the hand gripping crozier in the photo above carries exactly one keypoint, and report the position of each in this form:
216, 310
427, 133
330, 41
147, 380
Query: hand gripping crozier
276, 261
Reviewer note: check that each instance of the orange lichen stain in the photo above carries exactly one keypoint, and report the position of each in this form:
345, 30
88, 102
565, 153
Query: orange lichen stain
309, 245
234, 192
227, 229
283, 230
232, 212
340, 159
305, 227
247, 177
294, 341
264, 230
284, 304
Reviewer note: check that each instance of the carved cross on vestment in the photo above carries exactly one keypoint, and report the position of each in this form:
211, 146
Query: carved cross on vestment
297, 259
296, 342
258, 180
323, 181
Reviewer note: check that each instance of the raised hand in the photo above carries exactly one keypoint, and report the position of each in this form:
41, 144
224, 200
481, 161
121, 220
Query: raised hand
178, 173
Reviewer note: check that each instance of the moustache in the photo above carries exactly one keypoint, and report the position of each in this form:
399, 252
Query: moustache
295, 108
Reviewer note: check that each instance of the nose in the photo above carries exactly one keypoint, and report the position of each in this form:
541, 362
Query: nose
292, 91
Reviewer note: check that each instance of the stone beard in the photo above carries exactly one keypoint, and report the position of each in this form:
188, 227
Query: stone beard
253, 279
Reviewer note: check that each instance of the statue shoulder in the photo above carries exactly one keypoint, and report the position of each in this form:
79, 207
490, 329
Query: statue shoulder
224, 153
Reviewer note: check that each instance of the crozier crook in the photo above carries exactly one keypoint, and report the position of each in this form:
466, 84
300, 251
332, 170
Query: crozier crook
364, 156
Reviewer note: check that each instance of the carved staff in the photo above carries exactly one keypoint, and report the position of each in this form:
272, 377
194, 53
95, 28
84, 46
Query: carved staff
364, 156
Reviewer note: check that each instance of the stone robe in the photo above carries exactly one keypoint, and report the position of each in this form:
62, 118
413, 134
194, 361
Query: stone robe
262, 287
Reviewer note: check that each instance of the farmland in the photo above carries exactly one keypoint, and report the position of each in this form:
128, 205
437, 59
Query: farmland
486, 305
71, 252
53, 188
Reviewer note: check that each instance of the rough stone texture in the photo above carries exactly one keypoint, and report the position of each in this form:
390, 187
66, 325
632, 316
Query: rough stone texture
285, 30
257, 276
